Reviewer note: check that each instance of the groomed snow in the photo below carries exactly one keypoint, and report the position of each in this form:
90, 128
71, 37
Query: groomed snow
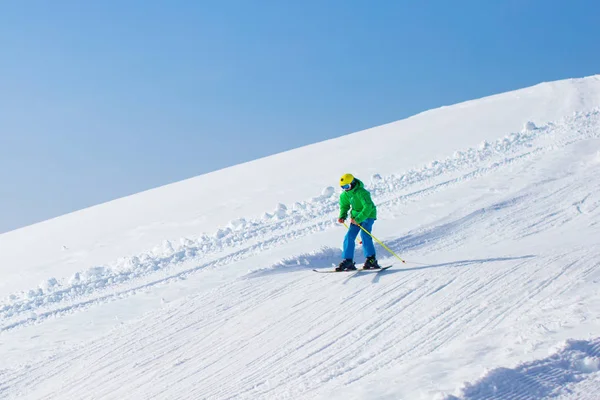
204, 289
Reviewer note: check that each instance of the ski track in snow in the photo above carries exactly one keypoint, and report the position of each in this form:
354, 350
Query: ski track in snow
243, 238
293, 356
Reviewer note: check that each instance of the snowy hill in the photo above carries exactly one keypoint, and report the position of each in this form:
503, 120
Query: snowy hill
203, 289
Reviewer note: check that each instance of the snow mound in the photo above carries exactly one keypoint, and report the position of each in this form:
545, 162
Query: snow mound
321, 258
571, 364
529, 126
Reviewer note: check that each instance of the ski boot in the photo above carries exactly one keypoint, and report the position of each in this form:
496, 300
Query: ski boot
346, 265
371, 263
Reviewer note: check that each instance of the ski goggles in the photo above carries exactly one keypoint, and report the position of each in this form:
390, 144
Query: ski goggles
346, 186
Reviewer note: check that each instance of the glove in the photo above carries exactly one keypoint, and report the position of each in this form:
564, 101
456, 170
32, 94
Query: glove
341, 220
354, 222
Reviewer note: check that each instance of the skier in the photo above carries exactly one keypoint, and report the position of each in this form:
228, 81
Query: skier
363, 214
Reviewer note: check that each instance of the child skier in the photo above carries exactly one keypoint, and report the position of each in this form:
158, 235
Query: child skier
363, 214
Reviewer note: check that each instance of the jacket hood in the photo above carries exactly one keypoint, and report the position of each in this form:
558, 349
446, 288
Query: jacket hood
358, 185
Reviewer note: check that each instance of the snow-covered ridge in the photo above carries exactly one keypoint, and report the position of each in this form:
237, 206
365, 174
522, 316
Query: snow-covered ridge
242, 237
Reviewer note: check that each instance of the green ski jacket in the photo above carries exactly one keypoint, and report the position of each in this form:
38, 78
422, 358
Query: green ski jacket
359, 200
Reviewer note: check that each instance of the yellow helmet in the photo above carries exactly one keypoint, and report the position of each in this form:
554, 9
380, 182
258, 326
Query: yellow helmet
346, 179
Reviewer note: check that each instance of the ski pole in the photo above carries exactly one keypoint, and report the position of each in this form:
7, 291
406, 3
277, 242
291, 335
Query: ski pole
380, 242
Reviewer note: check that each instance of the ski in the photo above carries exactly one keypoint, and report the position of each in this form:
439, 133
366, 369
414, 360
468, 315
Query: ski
353, 270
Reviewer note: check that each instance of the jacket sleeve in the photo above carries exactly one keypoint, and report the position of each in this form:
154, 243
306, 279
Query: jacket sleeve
344, 206
368, 207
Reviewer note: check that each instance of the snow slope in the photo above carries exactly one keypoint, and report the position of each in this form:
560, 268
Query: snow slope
203, 289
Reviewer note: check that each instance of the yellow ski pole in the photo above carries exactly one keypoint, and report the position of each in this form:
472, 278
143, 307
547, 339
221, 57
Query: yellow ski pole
378, 241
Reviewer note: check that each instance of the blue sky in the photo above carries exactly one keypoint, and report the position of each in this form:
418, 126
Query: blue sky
103, 99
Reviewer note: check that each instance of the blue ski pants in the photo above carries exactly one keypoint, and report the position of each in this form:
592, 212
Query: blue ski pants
368, 247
